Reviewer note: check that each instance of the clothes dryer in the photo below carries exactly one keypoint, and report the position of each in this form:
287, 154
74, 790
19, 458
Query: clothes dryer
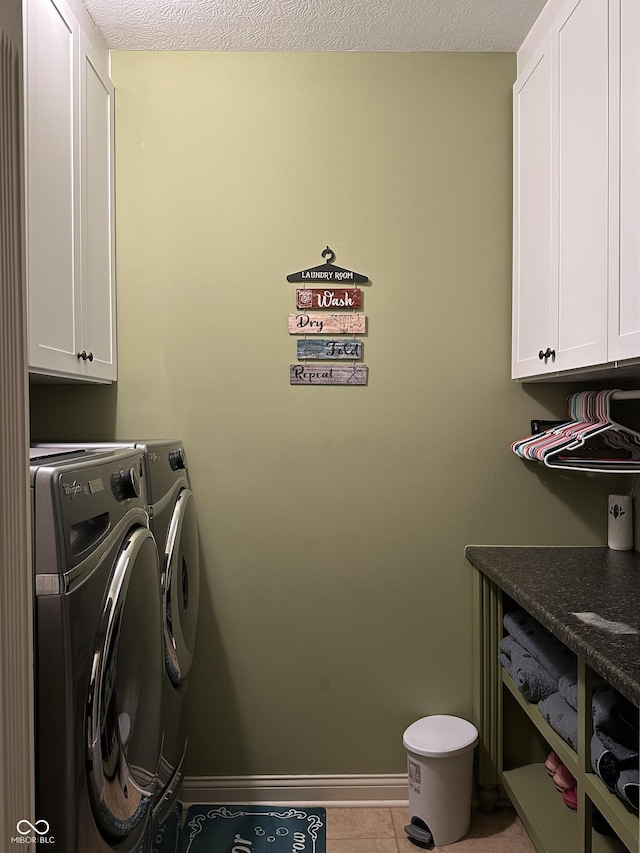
173, 522
98, 651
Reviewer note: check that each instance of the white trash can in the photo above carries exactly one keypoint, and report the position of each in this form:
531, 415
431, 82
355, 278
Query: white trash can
440, 770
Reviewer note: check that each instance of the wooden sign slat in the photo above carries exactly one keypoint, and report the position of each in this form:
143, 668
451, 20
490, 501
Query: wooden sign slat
320, 297
333, 324
323, 374
329, 349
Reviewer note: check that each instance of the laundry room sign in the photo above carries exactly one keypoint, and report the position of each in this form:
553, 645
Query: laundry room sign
333, 324
329, 349
327, 272
318, 297
321, 374
330, 310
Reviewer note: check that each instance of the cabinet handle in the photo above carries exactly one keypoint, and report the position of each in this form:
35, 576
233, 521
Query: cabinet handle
90, 356
85, 356
550, 353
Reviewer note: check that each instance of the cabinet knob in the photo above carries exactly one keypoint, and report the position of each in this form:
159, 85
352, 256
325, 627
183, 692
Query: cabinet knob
85, 356
550, 353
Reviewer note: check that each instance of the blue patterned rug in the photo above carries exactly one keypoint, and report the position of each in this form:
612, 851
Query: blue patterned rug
253, 829
165, 837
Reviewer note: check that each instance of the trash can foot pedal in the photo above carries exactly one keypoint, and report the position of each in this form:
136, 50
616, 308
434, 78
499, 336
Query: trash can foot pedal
420, 835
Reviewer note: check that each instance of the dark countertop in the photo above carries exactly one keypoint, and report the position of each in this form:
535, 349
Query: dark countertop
552, 583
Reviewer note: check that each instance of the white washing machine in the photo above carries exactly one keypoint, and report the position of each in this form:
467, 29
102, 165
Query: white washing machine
173, 522
98, 650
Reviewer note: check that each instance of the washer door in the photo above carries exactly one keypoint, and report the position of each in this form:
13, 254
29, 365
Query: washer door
181, 588
123, 709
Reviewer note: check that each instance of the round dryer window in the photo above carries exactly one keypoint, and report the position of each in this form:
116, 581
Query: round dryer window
123, 713
181, 592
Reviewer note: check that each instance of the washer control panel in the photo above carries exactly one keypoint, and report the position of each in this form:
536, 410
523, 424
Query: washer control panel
125, 484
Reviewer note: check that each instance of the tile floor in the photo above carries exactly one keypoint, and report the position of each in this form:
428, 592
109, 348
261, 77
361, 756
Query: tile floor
381, 830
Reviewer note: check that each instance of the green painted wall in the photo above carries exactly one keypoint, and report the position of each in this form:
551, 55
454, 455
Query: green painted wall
336, 598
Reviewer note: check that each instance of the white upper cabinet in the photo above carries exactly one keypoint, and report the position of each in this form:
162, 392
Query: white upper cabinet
97, 216
580, 196
69, 167
571, 127
624, 304
535, 328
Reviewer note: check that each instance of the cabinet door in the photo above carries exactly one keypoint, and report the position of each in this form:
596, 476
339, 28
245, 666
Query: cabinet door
581, 197
98, 274
70, 261
52, 182
534, 292
624, 305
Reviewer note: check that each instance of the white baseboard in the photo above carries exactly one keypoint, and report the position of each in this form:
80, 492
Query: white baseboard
328, 791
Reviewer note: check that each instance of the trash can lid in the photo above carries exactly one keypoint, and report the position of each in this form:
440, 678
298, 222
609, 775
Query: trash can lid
440, 736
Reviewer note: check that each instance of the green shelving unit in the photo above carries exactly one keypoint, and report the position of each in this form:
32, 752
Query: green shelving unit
541, 807
552, 826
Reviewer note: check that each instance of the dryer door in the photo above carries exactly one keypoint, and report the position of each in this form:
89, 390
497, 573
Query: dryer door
123, 711
181, 588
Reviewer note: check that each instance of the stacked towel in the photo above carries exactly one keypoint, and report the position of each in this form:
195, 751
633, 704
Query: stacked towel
615, 730
568, 687
545, 671
620, 777
553, 655
562, 718
614, 743
627, 787
615, 719
533, 657
530, 677
615, 722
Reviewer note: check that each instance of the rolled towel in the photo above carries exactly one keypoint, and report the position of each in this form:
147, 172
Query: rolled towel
568, 687
627, 787
562, 718
604, 763
615, 721
530, 677
619, 777
554, 656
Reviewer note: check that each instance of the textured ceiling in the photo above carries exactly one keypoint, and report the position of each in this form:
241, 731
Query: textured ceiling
392, 25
